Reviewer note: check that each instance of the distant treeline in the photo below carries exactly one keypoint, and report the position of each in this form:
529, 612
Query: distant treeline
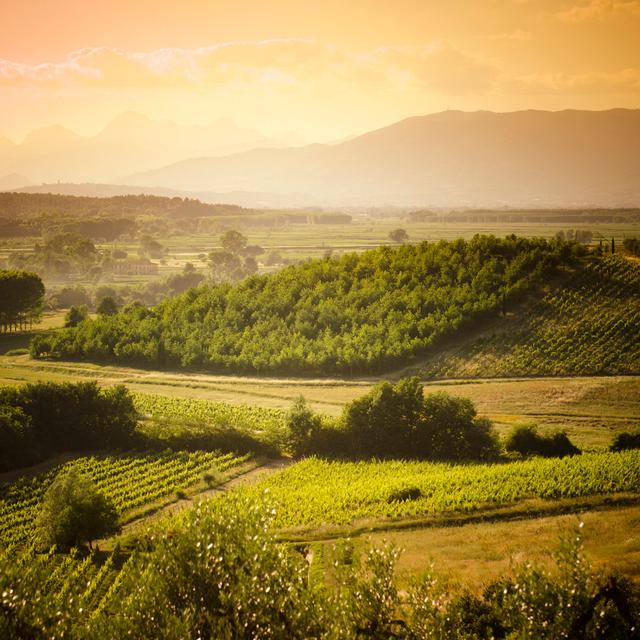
40, 214
356, 313
532, 216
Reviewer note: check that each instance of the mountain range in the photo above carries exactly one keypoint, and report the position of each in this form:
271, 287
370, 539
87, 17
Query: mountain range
130, 142
453, 158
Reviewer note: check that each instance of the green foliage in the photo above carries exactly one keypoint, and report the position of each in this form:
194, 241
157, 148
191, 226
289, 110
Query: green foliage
625, 441
398, 421
220, 573
316, 492
64, 417
362, 312
130, 481
525, 440
107, 306
75, 315
585, 325
399, 235
302, 428
21, 295
73, 512
233, 241
61, 255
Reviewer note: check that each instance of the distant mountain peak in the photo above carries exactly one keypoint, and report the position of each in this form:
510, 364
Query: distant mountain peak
53, 134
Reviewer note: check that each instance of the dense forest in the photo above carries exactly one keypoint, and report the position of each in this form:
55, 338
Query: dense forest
356, 313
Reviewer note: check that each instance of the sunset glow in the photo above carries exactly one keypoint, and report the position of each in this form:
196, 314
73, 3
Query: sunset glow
310, 71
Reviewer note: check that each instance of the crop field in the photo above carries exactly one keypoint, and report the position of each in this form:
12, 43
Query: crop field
241, 417
588, 326
317, 493
130, 480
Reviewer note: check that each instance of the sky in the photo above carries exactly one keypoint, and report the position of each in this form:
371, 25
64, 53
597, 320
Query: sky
322, 69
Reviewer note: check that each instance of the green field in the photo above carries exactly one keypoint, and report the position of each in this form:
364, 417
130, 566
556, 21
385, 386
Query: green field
132, 481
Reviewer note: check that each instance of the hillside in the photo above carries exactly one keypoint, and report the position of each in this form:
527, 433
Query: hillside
358, 313
453, 158
587, 324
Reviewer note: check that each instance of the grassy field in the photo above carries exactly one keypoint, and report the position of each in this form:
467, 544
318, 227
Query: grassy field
591, 409
473, 554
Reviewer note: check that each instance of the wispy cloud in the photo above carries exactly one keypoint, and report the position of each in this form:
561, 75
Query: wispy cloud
598, 10
622, 81
438, 65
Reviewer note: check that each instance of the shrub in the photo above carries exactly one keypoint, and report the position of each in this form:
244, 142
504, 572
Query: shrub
74, 512
625, 441
301, 427
525, 440
67, 417
75, 315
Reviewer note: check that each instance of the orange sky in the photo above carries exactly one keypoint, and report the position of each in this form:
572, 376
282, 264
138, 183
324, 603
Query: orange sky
322, 69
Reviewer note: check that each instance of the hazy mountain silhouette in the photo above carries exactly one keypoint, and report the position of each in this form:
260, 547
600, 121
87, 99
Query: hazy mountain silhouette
451, 158
130, 142
13, 181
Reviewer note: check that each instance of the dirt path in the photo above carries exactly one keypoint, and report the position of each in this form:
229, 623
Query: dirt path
246, 474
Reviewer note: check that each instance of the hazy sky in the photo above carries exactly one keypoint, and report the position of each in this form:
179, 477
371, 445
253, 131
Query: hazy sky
324, 69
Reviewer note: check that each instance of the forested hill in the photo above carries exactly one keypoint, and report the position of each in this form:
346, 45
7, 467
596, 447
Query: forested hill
355, 314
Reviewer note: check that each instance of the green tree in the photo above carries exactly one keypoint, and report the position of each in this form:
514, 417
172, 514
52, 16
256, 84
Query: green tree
21, 295
74, 512
107, 307
233, 241
399, 236
302, 426
75, 315
226, 266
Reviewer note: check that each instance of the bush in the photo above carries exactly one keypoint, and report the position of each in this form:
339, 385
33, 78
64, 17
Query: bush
526, 440
302, 427
75, 315
625, 441
399, 421
74, 512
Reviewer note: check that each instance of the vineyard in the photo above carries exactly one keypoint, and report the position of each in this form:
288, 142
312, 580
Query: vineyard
316, 492
130, 480
587, 326
243, 417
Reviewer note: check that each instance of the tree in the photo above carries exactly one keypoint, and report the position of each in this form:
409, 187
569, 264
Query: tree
75, 315
73, 512
233, 241
525, 440
302, 426
107, 306
21, 295
399, 236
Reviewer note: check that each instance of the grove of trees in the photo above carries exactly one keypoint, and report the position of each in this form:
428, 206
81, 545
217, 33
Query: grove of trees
21, 296
356, 313
396, 421
38, 420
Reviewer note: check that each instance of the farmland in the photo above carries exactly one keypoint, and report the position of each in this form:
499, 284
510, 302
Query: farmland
131, 481
317, 493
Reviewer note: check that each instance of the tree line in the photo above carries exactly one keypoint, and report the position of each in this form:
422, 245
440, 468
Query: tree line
353, 314
39, 420
21, 296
